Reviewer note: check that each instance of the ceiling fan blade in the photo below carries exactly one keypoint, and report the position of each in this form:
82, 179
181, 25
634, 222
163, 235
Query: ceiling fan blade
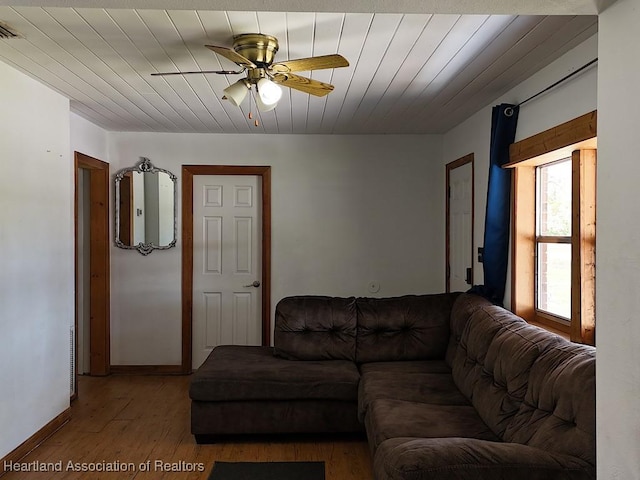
231, 54
304, 84
311, 63
219, 72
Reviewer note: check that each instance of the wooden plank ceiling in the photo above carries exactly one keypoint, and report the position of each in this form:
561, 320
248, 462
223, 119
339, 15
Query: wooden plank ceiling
408, 73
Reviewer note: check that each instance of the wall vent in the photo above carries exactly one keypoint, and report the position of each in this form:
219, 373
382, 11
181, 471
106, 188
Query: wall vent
7, 32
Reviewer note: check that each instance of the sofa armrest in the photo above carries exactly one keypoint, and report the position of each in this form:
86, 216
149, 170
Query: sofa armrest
472, 459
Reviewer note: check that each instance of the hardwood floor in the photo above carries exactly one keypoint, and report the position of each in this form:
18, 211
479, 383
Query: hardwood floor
122, 420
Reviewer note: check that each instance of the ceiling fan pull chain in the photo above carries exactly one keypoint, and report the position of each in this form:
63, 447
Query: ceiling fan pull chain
256, 123
250, 98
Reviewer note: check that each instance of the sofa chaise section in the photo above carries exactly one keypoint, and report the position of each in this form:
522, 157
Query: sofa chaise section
249, 390
308, 383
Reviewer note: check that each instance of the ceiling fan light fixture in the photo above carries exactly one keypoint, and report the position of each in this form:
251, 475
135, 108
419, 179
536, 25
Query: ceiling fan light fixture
255, 53
269, 94
237, 92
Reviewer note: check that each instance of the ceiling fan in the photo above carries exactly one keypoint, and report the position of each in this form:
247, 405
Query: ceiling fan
254, 53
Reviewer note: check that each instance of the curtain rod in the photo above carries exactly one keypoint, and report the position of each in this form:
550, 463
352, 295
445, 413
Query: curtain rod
509, 111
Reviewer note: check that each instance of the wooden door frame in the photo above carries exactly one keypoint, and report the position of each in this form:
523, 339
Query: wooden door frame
188, 172
451, 166
99, 263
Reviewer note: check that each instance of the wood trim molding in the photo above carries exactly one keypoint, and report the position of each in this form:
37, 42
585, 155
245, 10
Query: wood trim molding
567, 135
451, 166
187, 269
100, 283
583, 247
523, 222
266, 256
36, 439
188, 172
461, 161
146, 369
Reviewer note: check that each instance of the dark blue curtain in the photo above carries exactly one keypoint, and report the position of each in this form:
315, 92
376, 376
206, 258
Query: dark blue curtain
497, 220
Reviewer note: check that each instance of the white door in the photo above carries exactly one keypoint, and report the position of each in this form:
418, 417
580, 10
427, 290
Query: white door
460, 227
227, 264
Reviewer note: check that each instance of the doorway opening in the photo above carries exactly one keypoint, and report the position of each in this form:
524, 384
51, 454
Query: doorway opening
459, 224
91, 337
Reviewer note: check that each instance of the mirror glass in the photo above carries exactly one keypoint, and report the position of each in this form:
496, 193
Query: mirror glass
145, 208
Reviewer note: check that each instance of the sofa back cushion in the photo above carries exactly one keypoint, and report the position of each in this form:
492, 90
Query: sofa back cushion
411, 327
493, 363
315, 328
462, 309
559, 409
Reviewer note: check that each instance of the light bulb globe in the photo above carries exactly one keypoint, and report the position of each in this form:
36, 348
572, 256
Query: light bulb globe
269, 94
236, 92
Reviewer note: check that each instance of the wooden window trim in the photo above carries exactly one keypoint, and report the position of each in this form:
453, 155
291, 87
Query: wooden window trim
523, 242
555, 143
584, 247
548, 239
577, 138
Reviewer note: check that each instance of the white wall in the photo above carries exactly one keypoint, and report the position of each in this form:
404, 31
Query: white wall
568, 101
618, 244
347, 210
88, 138
36, 247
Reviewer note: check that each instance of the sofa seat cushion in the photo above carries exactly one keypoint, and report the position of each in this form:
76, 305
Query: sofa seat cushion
411, 366
473, 459
432, 388
234, 372
389, 418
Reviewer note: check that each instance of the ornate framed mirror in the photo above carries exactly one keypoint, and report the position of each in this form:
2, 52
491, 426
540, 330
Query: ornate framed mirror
145, 208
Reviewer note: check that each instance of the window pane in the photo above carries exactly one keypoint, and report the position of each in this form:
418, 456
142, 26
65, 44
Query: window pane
554, 278
554, 199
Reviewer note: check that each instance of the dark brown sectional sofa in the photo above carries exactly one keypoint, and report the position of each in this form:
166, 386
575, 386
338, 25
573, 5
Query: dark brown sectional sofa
446, 386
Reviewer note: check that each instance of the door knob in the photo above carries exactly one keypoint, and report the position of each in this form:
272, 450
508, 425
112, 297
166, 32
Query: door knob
255, 284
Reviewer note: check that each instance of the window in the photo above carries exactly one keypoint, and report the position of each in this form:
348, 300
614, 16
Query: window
553, 264
553, 240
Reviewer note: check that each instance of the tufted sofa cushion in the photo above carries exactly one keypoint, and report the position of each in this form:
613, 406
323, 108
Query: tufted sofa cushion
410, 327
558, 412
251, 373
315, 328
493, 363
463, 307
